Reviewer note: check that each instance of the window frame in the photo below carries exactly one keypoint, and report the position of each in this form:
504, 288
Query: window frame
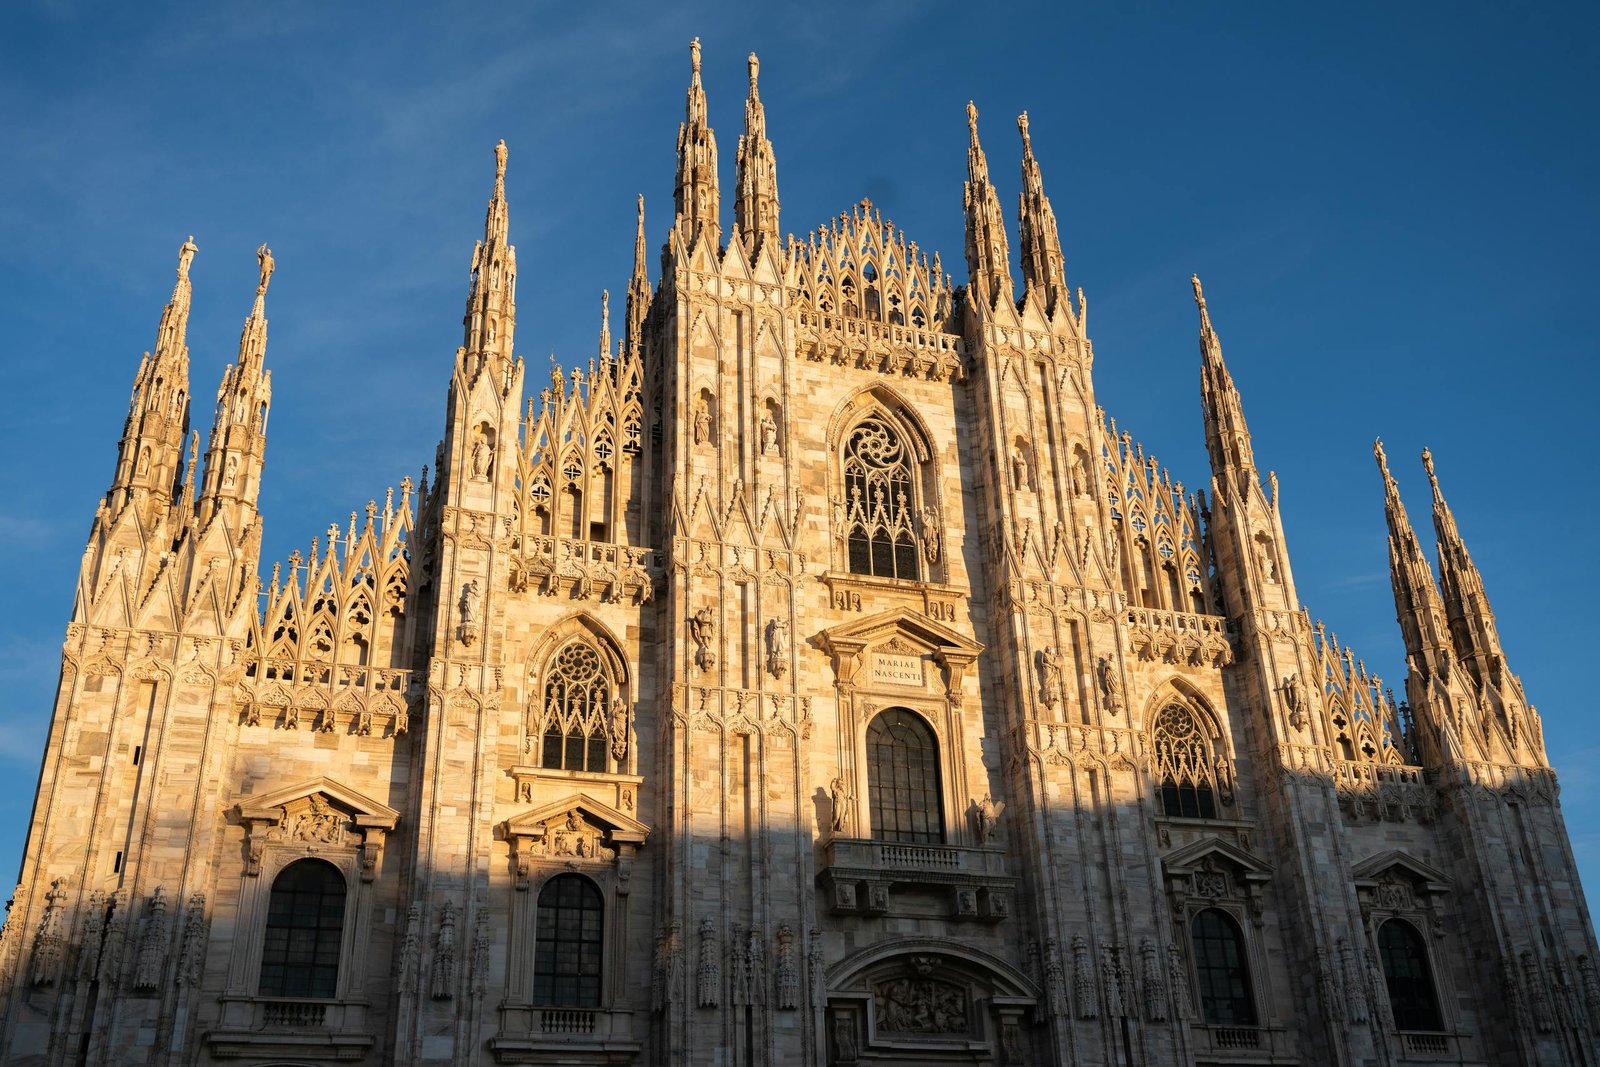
1245, 993
322, 941
932, 811
1425, 969
594, 901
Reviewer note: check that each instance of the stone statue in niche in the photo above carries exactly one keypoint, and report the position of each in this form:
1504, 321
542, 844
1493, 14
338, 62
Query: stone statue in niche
839, 794
481, 455
319, 822
1110, 686
702, 423
703, 631
1079, 478
844, 1037
777, 647
1049, 676
932, 534
1291, 700
1019, 471
619, 731
988, 818
769, 433
1265, 562
230, 472
470, 606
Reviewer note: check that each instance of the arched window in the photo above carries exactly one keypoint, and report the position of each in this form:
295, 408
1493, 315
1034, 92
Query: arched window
577, 709
305, 928
903, 779
566, 947
1221, 971
1405, 972
1184, 765
880, 501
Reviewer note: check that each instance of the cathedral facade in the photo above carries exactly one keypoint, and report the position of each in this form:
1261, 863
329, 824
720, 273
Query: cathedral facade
816, 677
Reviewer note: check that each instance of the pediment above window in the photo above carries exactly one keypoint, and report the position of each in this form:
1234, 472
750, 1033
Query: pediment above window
362, 809
899, 649
316, 815
575, 830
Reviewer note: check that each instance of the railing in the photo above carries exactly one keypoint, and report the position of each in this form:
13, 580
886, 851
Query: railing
566, 1021
920, 857
294, 1014
1236, 1037
1427, 1044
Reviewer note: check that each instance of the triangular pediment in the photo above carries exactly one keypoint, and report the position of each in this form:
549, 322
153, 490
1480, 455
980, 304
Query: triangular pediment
1372, 870
620, 827
364, 810
1187, 859
903, 625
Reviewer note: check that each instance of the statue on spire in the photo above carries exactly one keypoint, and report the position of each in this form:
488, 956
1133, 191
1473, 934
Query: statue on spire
186, 253
267, 264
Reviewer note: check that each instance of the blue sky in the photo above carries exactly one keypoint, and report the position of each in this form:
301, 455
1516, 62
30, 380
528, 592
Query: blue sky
1394, 208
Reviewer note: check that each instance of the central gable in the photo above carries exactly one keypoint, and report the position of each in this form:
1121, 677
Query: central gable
899, 649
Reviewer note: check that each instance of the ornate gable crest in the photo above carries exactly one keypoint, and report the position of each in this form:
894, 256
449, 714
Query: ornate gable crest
315, 815
894, 649
574, 830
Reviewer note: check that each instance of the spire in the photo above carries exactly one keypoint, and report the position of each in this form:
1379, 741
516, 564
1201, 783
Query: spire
1416, 597
638, 291
695, 194
1042, 263
150, 455
491, 316
237, 446
1466, 604
988, 257
756, 211
1227, 435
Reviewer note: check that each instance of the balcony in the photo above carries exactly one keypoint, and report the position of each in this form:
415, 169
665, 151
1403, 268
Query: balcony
1426, 1047
282, 1028
564, 1035
868, 877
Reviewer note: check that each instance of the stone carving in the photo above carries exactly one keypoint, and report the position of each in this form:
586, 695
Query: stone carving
1291, 700
839, 795
702, 423
443, 986
192, 951
1011, 1043
1049, 664
482, 457
48, 943
480, 952
1083, 990
1538, 996
920, 1006
1327, 992
658, 972
932, 534
470, 606
1266, 566
1111, 980
777, 647
708, 975
402, 722
152, 955
93, 932
787, 972
1590, 988
1355, 996
703, 632
115, 942
320, 822
1178, 981
1155, 984
411, 950
1110, 686
1019, 471
769, 433
844, 1037
987, 817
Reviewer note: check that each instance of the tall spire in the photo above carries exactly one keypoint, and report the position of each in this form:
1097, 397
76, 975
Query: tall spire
236, 450
1042, 263
1416, 597
1466, 604
638, 291
150, 456
988, 257
1227, 435
755, 212
695, 194
491, 317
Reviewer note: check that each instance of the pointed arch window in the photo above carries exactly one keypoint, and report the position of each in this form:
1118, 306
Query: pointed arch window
1404, 955
567, 943
1222, 970
880, 501
903, 779
579, 703
1184, 765
305, 930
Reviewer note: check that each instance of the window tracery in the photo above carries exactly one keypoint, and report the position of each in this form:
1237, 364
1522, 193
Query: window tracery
880, 501
579, 711
1185, 765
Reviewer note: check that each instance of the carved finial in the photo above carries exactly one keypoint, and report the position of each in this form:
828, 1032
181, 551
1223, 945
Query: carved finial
1427, 465
267, 264
1199, 293
186, 253
694, 58
755, 71
1022, 125
1377, 452
500, 160
972, 120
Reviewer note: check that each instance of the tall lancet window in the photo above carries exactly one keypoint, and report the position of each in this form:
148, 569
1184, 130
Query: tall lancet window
880, 502
1184, 765
579, 700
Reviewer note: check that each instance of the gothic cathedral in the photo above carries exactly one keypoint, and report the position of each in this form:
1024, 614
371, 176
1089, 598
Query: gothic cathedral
817, 677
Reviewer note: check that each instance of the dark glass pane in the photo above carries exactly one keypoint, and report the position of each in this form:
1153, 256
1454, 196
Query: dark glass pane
1405, 972
1171, 803
552, 748
305, 930
1220, 970
903, 779
568, 943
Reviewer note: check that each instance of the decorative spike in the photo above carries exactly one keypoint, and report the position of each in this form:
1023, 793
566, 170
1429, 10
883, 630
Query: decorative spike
756, 179
1042, 262
695, 193
988, 255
